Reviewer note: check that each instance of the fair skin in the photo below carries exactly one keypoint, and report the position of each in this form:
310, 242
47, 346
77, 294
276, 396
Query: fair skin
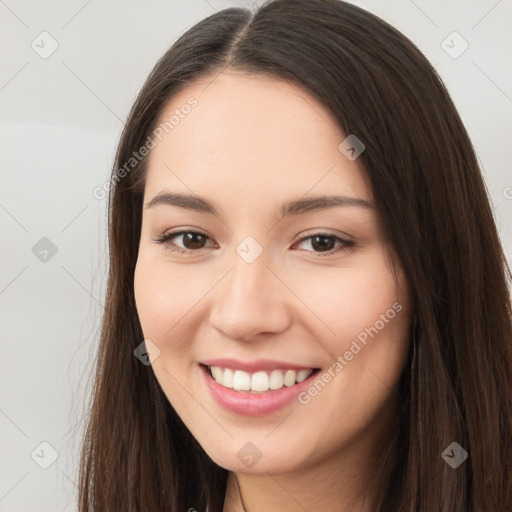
252, 143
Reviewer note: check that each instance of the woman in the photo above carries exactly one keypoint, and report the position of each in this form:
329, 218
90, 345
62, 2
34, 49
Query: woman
307, 304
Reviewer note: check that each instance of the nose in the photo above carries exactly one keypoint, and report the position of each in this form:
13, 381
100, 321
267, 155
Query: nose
251, 301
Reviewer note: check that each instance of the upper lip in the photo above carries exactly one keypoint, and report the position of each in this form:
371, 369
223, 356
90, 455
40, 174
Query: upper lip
254, 366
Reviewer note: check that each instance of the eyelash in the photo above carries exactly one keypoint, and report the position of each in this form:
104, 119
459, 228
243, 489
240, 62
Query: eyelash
166, 238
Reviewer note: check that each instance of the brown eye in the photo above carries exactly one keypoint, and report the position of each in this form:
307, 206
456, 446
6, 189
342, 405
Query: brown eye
192, 241
324, 244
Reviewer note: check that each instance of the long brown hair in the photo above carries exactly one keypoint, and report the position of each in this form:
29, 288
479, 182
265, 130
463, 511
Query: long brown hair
137, 455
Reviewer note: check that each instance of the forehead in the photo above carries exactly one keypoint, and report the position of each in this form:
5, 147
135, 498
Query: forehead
250, 134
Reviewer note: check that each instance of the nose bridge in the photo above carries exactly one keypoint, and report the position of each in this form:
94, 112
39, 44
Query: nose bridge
250, 300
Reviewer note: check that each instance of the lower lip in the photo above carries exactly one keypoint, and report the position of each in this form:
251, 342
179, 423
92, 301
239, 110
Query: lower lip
254, 404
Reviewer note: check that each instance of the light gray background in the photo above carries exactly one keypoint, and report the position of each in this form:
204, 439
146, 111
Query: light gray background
61, 118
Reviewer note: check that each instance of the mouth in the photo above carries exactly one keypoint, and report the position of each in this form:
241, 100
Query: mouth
258, 393
259, 382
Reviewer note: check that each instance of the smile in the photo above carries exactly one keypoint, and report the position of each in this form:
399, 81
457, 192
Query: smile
278, 388
260, 381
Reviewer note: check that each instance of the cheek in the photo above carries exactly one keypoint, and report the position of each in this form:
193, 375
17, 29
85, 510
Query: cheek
158, 303
354, 303
365, 324
169, 303
163, 298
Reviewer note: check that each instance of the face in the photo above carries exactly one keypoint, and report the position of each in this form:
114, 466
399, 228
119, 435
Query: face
238, 281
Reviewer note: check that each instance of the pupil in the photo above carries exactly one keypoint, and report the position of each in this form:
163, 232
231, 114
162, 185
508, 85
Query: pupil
329, 243
190, 238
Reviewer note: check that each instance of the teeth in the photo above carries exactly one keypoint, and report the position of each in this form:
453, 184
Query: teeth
227, 378
241, 381
276, 379
258, 382
289, 378
303, 375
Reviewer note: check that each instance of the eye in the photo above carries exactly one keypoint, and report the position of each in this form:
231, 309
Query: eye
325, 242
193, 241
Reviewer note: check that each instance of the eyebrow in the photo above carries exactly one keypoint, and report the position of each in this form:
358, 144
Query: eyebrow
295, 207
